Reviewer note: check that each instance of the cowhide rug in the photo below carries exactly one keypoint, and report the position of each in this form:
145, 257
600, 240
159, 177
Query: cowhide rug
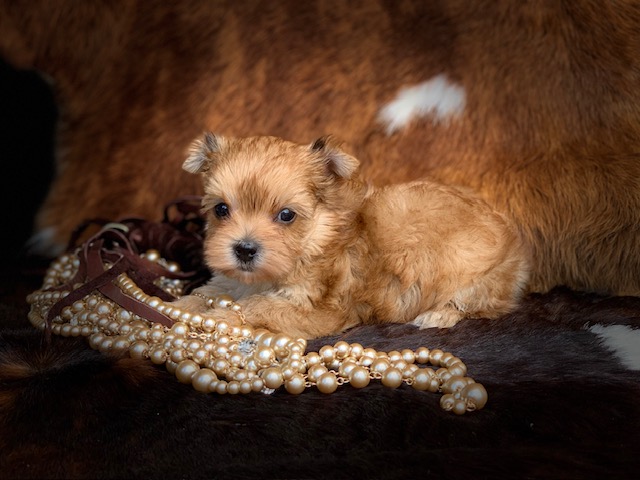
562, 373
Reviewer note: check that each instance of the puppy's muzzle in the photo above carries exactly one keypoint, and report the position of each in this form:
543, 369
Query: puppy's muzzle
246, 252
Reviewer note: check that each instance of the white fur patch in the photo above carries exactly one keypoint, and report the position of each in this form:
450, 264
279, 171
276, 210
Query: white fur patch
623, 341
438, 98
42, 243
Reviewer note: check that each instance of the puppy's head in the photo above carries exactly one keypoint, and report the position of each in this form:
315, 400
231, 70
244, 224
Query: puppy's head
270, 204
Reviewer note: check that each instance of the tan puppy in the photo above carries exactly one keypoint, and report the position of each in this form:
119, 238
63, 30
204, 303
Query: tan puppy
306, 248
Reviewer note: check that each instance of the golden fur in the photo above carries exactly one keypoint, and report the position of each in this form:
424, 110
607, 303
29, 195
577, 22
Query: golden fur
419, 252
549, 135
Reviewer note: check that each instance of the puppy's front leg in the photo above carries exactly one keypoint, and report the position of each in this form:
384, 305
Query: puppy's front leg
196, 301
278, 314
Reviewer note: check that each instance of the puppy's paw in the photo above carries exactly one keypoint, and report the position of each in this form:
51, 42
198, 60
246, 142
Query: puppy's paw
191, 304
438, 319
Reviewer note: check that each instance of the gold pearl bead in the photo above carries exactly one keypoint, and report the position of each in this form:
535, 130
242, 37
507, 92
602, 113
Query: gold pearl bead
200, 356
459, 407
121, 344
220, 366
201, 379
458, 368
158, 355
257, 384
327, 353
380, 365
408, 356
221, 387
475, 393
236, 359
422, 379
179, 329
245, 386
327, 382
264, 356
106, 344
346, 367
356, 350
138, 349
435, 356
394, 356
454, 384
315, 371
295, 384
233, 387
447, 401
224, 300
65, 330
178, 355
312, 358
272, 377
342, 350
369, 352
222, 327
359, 377
185, 370
444, 374
392, 377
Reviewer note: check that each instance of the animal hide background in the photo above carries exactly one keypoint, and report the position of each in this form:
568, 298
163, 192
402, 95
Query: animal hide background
562, 372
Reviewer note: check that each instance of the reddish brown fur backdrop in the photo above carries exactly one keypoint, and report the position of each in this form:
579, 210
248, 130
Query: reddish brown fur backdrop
549, 134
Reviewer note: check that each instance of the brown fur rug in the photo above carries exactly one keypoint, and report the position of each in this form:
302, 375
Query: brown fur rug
561, 405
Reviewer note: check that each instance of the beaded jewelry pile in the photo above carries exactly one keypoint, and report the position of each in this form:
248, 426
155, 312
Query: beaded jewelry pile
105, 290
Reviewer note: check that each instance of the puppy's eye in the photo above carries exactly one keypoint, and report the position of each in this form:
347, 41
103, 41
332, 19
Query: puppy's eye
221, 210
286, 216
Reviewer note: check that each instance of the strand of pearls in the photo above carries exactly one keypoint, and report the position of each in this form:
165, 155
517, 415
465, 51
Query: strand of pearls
214, 356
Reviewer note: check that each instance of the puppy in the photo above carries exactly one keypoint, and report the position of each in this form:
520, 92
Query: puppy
308, 249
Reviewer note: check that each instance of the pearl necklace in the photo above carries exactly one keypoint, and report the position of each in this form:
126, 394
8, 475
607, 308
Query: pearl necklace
214, 356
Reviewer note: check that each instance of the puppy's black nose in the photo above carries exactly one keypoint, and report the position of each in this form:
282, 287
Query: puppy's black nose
246, 251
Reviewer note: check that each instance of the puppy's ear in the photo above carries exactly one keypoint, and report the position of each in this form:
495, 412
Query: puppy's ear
336, 161
202, 153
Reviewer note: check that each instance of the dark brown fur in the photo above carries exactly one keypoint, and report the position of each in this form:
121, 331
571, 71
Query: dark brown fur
549, 135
